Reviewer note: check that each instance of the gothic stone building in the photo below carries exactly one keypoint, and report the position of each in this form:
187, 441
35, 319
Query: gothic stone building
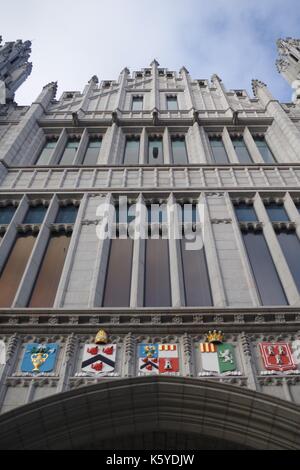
132, 342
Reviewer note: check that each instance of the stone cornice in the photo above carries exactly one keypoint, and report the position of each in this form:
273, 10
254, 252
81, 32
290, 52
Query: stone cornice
142, 320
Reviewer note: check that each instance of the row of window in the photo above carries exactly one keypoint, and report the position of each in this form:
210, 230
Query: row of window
268, 283
221, 157
48, 276
157, 275
68, 155
137, 103
157, 280
155, 154
36, 214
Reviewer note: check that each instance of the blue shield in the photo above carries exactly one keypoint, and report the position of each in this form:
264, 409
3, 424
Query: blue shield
148, 350
39, 357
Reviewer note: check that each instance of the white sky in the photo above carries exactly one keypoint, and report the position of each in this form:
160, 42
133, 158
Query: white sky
73, 40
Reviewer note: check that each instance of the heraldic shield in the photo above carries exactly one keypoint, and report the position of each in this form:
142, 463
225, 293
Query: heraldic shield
277, 356
99, 359
158, 358
218, 358
39, 357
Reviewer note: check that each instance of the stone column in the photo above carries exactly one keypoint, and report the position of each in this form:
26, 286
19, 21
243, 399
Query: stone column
232, 156
189, 99
66, 272
217, 83
128, 356
292, 212
176, 275
121, 93
200, 145
68, 363
98, 279
252, 147
154, 94
88, 92
167, 150
213, 265
138, 258
250, 370
12, 349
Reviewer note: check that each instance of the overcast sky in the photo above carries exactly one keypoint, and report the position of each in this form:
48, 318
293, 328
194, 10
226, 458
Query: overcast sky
73, 40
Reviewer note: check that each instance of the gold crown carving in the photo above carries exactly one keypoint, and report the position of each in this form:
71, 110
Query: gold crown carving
215, 336
101, 337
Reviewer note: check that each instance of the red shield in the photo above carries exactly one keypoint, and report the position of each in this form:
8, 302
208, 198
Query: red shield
277, 356
168, 364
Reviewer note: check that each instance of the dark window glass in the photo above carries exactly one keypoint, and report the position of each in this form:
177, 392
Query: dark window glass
172, 104
118, 275
92, 152
264, 149
241, 150
277, 212
66, 214
179, 151
157, 289
35, 215
45, 287
195, 274
218, 150
265, 274
137, 103
6, 214
155, 155
290, 246
245, 213
69, 152
45, 155
131, 154
15, 266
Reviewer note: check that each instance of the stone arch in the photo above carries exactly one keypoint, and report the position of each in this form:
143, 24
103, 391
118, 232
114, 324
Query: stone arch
110, 411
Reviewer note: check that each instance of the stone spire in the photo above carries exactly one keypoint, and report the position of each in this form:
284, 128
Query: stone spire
288, 63
14, 67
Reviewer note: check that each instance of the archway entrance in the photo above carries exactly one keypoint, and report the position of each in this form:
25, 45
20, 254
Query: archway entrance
154, 413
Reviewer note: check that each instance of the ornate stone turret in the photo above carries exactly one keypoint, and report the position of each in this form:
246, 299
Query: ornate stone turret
14, 67
288, 63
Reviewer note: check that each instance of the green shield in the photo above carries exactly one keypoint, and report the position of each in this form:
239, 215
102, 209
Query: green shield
226, 357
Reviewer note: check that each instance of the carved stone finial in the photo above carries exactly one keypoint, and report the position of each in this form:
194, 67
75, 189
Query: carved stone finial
257, 84
94, 79
154, 62
125, 70
51, 86
216, 78
183, 69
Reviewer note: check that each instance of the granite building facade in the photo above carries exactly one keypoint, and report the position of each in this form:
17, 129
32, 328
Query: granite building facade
140, 342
